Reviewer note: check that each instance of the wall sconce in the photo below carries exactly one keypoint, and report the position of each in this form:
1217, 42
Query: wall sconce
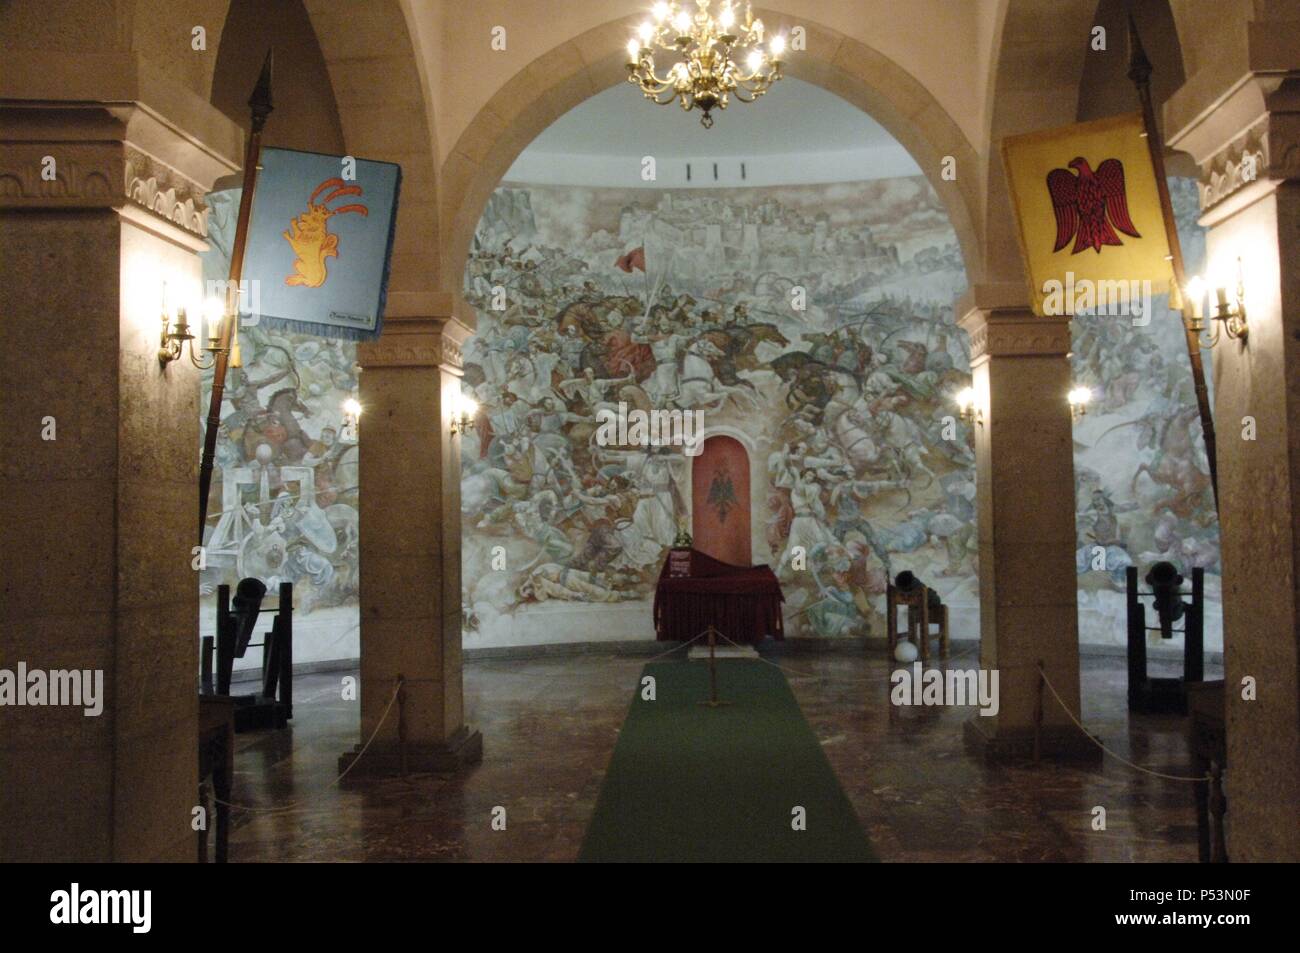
351, 419
176, 335
1229, 317
968, 407
463, 422
1079, 398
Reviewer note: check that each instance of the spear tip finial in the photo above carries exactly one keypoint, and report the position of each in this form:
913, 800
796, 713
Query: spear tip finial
1139, 67
260, 102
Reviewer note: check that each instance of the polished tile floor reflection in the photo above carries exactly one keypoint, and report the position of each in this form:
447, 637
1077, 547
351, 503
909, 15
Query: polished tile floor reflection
549, 726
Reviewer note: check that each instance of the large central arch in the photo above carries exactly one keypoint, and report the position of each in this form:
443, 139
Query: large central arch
593, 61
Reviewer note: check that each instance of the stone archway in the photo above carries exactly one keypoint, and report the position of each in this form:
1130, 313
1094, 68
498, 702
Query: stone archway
1035, 75
378, 81
574, 71
1033, 84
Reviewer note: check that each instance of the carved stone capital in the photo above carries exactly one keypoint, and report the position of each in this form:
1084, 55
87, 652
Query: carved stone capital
92, 155
1014, 333
416, 341
1257, 159
162, 190
1244, 134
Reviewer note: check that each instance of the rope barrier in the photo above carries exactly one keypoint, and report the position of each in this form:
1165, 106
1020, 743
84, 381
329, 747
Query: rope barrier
1046, 681
677, 647
864, 682
1118, 757
294, 805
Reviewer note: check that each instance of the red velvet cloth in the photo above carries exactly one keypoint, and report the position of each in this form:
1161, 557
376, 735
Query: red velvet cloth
741, 602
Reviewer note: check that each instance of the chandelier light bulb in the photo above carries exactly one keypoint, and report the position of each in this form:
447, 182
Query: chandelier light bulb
714, 58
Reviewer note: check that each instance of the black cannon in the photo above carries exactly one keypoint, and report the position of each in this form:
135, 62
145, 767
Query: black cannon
1145, 693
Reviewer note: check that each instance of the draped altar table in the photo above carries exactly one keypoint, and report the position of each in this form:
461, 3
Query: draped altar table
741, 602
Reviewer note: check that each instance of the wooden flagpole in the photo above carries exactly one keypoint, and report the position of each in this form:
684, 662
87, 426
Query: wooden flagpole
260, 105
1139, 71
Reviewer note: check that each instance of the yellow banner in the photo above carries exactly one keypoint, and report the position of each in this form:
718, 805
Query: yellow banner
1088, 211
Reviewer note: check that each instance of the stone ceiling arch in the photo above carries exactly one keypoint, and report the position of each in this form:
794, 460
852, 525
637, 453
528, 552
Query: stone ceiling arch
1038, 66
378, 74
593, 61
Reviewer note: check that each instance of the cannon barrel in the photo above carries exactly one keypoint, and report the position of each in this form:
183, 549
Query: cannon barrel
1165, 581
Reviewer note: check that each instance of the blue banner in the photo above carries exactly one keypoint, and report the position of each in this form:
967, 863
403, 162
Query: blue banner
319, 243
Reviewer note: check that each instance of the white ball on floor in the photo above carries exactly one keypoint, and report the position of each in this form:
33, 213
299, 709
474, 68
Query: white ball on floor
905, 652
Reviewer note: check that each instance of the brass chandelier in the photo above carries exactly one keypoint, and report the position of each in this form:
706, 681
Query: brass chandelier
705, 75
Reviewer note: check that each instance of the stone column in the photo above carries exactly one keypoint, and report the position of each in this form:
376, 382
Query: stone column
1244, 132
410, 546
1024, 458
100, 204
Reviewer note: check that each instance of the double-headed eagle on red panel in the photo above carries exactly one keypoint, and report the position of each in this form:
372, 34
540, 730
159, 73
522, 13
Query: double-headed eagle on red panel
1090, 206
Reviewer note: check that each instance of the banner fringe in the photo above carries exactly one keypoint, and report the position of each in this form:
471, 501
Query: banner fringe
311, 327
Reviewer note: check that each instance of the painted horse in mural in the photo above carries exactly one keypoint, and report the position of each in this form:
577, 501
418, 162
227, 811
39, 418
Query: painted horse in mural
278, 427
738, 345
700, 386
1177, 464
1177, 468
809, 381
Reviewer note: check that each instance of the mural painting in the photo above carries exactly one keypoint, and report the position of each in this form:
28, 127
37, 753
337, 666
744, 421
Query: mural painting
284, 500
816, 321
687, 300
1142, 479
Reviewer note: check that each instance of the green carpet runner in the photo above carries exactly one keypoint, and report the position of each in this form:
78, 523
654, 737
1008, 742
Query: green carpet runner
692, 783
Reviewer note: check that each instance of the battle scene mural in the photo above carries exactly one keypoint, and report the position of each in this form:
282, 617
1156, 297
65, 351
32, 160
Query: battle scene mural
816, 322
813, 322
1142, 481
284, 499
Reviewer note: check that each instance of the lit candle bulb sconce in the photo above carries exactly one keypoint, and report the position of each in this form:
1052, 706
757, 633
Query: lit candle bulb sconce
968, 406
351, 419
1228, 317
177, 336
1079, 399
462, 422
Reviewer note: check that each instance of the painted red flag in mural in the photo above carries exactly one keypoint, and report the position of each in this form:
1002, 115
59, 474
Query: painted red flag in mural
633, 259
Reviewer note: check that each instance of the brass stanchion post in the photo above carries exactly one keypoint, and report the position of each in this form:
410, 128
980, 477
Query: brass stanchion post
713, 701
401, 721
1038, 715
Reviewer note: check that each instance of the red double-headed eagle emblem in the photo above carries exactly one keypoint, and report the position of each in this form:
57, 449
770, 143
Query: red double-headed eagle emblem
1090, 206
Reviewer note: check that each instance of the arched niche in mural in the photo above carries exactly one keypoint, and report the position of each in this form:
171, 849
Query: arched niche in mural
720, 500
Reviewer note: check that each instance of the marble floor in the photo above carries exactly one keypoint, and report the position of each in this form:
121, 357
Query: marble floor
549, 726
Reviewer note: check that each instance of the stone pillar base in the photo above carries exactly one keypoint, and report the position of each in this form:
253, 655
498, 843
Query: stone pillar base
1058, 742
384, 759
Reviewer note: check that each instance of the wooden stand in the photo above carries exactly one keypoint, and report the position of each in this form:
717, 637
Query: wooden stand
1207, 738
919, 619
273, 706
216, 760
